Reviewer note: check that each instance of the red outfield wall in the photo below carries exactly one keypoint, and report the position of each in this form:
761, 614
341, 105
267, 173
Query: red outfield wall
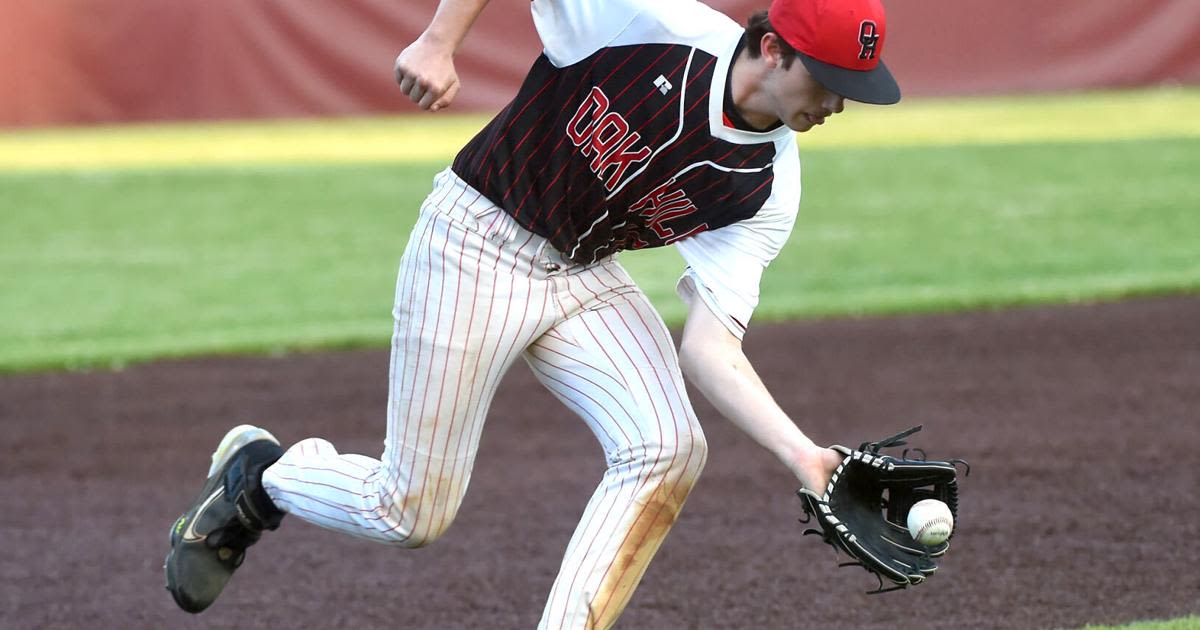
89, 61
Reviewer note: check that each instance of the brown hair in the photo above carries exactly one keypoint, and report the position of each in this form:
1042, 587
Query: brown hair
757, 26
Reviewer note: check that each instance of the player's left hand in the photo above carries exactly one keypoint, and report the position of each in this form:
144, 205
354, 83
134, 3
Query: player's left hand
863, 510
426, 74
815, 467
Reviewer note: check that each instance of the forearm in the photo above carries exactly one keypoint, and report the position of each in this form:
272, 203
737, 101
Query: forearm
425, 68
712, 359
725, 377
451, 22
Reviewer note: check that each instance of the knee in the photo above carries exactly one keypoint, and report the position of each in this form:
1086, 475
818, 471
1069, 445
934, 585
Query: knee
693, 454
693, 450
681, 459
417, 520
418, 537
411, 532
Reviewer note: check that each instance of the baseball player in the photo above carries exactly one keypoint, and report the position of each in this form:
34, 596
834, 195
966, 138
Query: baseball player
642, 124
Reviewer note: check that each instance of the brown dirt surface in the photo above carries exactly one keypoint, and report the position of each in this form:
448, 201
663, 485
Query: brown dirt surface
1081, 423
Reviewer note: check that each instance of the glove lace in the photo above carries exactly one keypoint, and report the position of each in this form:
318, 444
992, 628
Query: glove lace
895, 440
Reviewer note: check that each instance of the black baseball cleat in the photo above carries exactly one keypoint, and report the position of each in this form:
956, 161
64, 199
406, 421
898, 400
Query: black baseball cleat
208, 543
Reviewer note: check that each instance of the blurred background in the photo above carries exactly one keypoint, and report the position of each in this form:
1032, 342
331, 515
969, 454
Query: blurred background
69, 62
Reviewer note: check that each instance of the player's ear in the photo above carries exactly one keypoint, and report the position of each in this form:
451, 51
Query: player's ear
770, 49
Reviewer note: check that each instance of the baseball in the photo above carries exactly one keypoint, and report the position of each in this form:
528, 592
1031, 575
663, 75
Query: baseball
930, 522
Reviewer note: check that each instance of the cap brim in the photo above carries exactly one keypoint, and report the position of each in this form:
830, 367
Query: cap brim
873, 86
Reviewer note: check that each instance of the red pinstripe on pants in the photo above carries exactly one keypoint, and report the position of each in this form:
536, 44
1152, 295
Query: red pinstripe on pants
475, 291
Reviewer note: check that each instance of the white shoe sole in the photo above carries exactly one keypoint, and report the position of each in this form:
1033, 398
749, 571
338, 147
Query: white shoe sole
236, 438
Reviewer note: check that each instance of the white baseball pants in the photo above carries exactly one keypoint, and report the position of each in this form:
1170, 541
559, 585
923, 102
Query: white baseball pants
475, 291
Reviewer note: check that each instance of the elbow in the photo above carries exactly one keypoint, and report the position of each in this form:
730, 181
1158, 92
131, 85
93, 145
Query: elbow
697, 355
689, 358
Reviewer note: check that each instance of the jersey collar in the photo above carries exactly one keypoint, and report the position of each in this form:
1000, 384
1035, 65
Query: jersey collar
716, 103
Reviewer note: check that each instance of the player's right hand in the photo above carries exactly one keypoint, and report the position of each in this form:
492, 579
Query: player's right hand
425, 72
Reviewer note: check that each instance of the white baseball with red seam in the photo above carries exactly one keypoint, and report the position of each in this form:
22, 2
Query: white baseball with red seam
930, 522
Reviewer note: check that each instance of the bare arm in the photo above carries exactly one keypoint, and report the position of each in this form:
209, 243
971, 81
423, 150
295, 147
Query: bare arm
712, 359
425, 69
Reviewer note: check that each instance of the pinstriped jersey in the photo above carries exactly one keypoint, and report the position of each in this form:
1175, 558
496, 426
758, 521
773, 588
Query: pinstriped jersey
609, 143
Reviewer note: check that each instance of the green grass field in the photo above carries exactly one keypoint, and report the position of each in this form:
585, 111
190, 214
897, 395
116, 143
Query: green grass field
107, 262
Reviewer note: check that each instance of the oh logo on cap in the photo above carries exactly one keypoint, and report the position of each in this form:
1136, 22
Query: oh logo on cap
868, 36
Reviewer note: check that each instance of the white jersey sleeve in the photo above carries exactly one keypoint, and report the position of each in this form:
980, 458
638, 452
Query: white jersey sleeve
571, 30
726, 265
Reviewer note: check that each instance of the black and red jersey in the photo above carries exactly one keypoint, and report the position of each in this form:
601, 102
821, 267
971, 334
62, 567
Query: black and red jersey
615, 149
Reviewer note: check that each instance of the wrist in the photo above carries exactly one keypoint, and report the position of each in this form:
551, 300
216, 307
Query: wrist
814, 466
438, 40
799, 454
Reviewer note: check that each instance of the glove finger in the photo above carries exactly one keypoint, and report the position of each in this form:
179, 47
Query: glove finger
915, 473
915, 568
875, 545
902, 539
883, 564
925, 564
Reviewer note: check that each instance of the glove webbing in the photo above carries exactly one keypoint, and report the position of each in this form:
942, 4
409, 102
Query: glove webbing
895, 440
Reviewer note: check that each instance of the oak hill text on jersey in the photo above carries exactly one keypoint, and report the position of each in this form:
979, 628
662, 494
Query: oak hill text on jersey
605, 155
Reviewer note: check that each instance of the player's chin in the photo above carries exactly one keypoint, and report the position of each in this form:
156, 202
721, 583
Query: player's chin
800, 126
801, 123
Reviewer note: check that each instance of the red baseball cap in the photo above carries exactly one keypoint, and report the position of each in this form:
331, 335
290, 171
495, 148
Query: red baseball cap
840, 43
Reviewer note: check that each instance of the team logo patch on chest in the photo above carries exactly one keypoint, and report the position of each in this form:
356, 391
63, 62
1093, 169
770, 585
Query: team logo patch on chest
606, 137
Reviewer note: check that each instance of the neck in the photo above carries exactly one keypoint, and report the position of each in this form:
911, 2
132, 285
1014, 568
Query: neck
746, 80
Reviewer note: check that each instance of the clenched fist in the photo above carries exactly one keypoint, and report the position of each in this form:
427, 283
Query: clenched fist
425, 72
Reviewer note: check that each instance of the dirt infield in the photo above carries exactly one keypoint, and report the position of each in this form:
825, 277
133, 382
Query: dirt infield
1082, 425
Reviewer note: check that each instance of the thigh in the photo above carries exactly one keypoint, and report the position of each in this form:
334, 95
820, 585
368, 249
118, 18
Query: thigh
613, 362
464, 310
462, 315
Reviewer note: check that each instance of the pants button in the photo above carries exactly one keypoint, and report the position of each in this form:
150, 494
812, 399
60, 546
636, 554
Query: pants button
552, 267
